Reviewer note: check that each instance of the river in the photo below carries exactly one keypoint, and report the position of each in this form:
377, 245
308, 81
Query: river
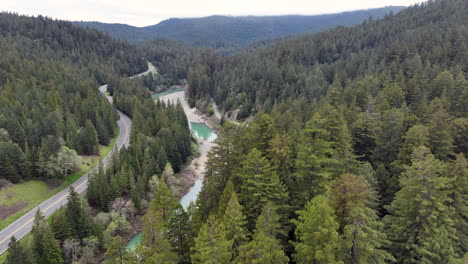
204, 135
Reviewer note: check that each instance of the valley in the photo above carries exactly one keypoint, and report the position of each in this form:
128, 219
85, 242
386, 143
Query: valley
239, 139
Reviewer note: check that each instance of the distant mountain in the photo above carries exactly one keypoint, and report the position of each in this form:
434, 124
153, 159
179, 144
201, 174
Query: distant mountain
228, 31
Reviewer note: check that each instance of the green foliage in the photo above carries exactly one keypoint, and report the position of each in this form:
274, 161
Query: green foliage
80, 223
45, 248
363, 238
155, 219
227, 33
459, 196
234, 222
116, 251
263, 249
58, 105
347, 193
180, 233
313, 162
223, 161
225, 199
269, 222
389, 136
17, 253
420, 221
160, 128
440, 139
211, 244
317, 233
260, 184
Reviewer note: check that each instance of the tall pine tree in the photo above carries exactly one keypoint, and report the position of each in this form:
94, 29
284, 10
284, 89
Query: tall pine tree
317, 233
420, 220
211, 244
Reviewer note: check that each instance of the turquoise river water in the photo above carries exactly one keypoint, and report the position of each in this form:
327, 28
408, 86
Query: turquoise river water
200, 131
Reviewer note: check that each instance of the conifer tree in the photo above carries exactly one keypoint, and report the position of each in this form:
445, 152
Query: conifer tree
260, 184
417, 135
459, 130
419, 215
211, 245
150, 165
225, 198
16, 253
317, 233
156, 247
459, 198
46, 250
363, 238
389, 136
155, 219
440, 139
136, 198
89, 139
162, 159
363, 131
116, 251
269, 222
281, 155
335, 125
235, 222
80, 223
138, 125
346, 193
264, 131
180, 233
263, 249
220, 167
313, 161
61, 225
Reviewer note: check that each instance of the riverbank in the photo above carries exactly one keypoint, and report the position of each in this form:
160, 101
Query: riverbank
187, 183
198, 165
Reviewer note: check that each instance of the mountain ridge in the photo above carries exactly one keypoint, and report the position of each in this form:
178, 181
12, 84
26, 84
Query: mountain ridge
221, 31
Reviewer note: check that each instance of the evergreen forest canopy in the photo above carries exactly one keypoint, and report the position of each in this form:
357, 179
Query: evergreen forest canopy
404, 52
360, 133
50, 107
352, 151
225, 33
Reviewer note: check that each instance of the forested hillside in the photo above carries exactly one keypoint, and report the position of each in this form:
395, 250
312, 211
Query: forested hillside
356, 152
225, 32
50, 107
51, 102
350, 148
174, 60
407, 51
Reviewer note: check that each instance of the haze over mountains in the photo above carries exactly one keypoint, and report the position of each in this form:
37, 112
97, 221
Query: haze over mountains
225, 31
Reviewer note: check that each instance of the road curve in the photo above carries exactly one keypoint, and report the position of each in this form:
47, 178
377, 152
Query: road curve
24, 224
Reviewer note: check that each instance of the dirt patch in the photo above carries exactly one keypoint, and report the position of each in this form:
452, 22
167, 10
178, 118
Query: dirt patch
181, 182
4, 184
52, 184
7, 210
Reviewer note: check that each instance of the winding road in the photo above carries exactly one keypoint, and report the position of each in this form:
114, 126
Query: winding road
24, 224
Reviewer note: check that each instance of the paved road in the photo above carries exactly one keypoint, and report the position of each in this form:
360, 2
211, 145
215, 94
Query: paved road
24, 224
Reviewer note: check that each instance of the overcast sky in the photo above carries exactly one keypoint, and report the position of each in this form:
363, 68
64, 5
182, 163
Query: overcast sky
150, 12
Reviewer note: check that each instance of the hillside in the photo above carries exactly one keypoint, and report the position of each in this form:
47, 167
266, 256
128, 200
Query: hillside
432, 38
352, 143
50, 105
226, 31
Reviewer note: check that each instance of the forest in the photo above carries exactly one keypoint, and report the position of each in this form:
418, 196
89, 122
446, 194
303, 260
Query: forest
226, 34
50, 107
349, 147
